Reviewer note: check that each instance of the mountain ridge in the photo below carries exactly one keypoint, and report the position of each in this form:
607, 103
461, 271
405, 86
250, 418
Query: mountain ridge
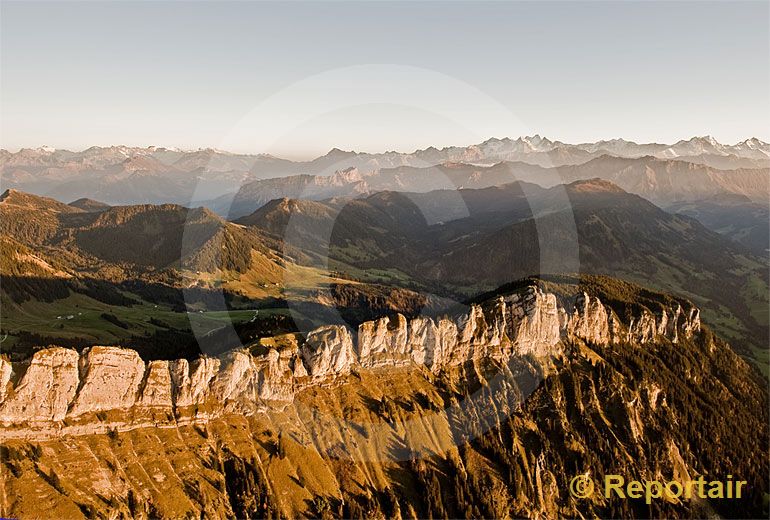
663, 181
534, 394
121, 175
534, 142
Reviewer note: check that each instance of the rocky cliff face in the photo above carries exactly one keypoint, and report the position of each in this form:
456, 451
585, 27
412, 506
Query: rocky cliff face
105, 388
405, 419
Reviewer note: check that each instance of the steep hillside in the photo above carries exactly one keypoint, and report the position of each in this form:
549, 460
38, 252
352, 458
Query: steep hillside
165, 236
734, 216
29, 218
490, 415
143, 237
365, 228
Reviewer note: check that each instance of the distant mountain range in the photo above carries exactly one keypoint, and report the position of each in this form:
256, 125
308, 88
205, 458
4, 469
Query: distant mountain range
130, 175
662, 181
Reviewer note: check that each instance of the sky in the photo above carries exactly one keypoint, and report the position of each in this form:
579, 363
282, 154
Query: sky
296, 79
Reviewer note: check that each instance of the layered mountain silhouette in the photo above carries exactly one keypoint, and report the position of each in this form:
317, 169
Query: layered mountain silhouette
129, 175
663, 181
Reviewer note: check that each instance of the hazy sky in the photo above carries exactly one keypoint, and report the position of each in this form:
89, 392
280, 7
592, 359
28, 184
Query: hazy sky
379, 76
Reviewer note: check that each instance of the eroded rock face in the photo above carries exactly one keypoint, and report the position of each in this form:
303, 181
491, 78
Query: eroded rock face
536, 323
190, 383
383, 342
236, 379
446, 343
59, 384
669, 324
46, 389
5, 377
590, 321
111, 377
422, 341
642, 329
691, 323
328, 352
276, 376
156, 387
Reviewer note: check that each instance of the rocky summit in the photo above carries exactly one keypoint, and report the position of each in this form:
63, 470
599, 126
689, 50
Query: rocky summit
487, 414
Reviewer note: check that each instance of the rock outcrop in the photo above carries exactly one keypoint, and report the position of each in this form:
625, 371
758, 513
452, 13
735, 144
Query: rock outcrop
648, 327
155, 391
5, 377
590, 321
46, 389
63, 389
110, 379
328, 352
190, 382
